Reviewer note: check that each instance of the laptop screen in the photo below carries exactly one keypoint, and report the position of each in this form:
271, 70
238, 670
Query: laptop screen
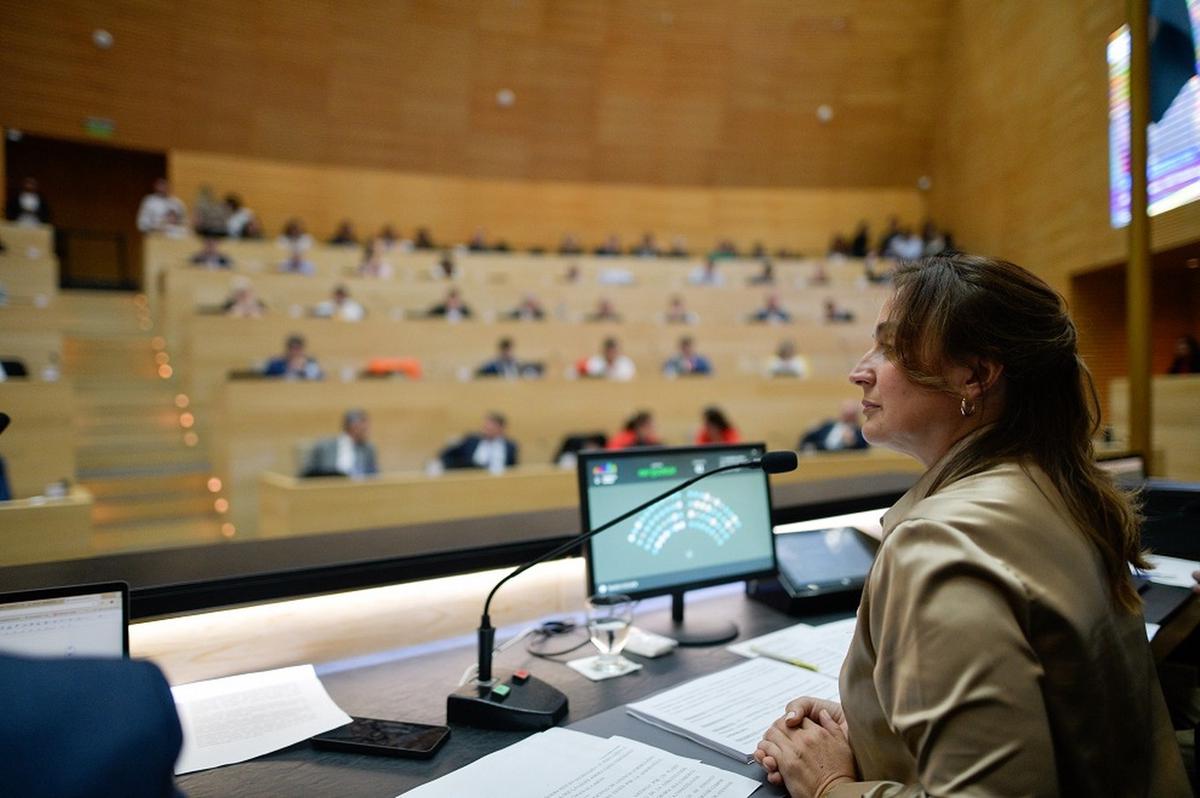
84, 621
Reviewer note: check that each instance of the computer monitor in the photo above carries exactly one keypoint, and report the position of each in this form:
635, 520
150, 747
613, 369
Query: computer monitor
78, 621
715, 532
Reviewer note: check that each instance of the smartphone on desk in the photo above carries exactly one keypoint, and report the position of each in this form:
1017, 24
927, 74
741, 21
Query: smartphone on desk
385, 738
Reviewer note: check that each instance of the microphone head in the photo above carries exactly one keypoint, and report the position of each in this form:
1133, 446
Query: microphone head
779, 462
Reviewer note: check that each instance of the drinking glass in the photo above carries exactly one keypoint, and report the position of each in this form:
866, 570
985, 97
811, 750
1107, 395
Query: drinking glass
609, 618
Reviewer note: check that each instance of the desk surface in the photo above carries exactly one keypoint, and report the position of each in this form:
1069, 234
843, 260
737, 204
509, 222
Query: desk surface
414, 686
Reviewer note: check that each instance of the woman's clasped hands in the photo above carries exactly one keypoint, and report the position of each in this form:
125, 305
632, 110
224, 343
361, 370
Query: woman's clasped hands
808, 749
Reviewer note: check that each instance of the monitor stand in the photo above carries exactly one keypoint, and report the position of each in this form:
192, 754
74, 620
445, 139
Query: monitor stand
705, 632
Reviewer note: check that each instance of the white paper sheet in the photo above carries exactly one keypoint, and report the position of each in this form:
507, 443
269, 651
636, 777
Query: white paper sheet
1172, 570
560, 763
728, 711
824, 647
240, 717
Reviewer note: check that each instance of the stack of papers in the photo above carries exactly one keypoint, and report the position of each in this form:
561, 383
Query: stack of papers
568, 764
1172, 571
729, 711
821, 648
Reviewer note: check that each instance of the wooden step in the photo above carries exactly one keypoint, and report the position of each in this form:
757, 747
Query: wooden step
143, 486
166, 506
106, 462
156, 534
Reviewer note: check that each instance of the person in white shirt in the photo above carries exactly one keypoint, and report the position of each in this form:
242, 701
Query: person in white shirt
238, 216
490, 448
786, 363
159, 210
907, 245
610, 363
28, 206
340, 307
374, 263
706, 274
295, 238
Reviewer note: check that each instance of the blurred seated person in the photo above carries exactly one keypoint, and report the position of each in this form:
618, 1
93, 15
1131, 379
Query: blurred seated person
819, 275
772, 312
906, 245
5, 487
835, 314
12, 368
27, 205
478, 241
490, 448
838, 434
687, 362
349, 454
340, 306
679, 248
764, 276
786, 363
253, 231
716, 428
706, 273
243, 302
344, 235
839, 247
175, 225
160, 211
424, 239
609, 364
576, 442
452, 308
294, 237
860, 244
638, 431
238, 217
615, 275
605, 311
446, 269
759, 250
295, 363
893, 229
725, 248
210, 257
1187, 356
646, 247
529, 309
84, 726
505, 364
208, 214
391, 240
569, 245
572, 275
609, 247
296, 263
677, 312
375, 263
935, 241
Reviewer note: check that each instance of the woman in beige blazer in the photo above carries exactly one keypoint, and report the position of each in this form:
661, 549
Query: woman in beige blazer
1000, 647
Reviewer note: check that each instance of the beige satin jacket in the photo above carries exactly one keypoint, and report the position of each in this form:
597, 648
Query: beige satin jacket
989, 659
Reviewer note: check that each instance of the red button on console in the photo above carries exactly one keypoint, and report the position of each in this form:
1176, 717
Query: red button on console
520, 677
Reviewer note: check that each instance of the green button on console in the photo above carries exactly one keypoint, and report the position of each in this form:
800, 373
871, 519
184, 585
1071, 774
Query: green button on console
501, 691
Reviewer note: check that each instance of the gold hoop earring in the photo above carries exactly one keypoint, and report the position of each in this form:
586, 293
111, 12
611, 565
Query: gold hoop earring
967, 407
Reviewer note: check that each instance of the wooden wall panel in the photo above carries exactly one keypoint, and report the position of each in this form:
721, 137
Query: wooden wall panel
534, 212
1020, 158
676, 92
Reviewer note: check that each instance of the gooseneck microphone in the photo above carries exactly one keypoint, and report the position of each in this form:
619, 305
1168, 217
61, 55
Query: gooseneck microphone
540, 704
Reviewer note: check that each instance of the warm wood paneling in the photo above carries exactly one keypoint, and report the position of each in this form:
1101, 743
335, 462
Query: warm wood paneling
671, 92
538, 213
1021, 145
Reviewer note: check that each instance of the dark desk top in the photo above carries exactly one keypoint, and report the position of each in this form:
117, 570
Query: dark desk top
414, 688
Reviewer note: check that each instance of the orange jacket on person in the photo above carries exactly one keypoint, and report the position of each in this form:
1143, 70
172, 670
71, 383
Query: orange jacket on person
626, 439
730, 435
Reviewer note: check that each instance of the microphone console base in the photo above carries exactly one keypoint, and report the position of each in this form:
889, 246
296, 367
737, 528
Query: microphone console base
528, 705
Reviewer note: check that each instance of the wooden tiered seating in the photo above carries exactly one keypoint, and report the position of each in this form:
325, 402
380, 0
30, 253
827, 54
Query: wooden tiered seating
1176, 432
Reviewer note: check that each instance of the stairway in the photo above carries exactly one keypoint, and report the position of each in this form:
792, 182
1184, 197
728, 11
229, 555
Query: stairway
149, 476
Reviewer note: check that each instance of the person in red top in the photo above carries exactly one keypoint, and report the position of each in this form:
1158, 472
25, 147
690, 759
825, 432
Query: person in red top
716, 428
638, 431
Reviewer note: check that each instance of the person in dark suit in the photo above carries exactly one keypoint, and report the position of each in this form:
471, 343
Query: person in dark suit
490, 448
86, 727
295, 363
837, 434
349, 454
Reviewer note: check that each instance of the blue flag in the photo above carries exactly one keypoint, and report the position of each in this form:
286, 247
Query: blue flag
1172, 53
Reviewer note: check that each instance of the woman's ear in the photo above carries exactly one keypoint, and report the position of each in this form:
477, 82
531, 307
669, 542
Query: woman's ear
982, 376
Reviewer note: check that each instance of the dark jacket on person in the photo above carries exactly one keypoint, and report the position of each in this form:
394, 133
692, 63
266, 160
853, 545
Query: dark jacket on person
817, 438
462, 454
323, 459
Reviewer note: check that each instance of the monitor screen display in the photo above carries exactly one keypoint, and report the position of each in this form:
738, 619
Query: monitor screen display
65, 622
1173, 159
718, 530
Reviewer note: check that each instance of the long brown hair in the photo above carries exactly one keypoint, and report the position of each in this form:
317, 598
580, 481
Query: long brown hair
954, 307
